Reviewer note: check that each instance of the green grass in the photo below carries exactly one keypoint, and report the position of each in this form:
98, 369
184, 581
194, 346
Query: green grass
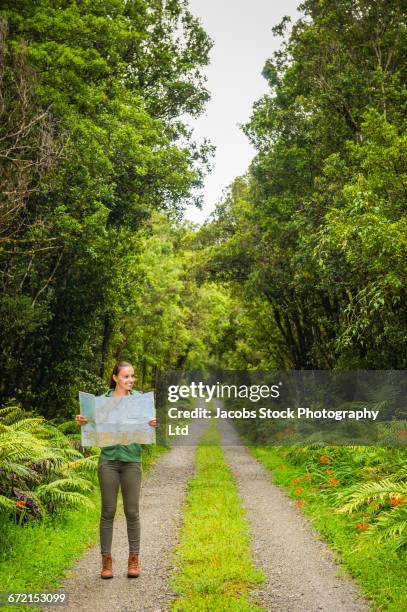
33, 555
214, 565
36, 555
379, 569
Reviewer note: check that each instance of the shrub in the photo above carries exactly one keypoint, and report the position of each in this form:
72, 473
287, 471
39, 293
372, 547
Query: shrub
40, 470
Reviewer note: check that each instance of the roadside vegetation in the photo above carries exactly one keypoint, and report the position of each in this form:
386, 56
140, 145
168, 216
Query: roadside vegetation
43, 471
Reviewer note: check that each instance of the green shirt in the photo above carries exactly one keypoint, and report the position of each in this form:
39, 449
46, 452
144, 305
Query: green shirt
122, 452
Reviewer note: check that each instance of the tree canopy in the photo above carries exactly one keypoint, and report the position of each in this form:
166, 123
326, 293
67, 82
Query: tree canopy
313, 238
96, 93
301, 266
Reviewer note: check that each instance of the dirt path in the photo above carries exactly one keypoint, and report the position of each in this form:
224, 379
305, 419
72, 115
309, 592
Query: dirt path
302, 575
161, 514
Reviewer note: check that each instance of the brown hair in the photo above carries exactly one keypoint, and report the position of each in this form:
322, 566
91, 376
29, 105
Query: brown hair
119, 365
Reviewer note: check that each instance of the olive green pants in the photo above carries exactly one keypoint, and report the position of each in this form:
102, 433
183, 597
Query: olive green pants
127, 475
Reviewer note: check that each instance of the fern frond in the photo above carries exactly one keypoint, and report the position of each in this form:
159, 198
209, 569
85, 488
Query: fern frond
60, 493
54, 435
68, 499
7, 505
28, 425
12, 468
85, 465
16, 442
11, 414
401, 473
66, 484
21, 446
391, 525
70, 453
359, 494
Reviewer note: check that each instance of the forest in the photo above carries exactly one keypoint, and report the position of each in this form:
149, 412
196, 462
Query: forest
302, 266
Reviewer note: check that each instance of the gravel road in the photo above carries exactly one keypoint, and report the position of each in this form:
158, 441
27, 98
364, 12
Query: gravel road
163, 493
302, 575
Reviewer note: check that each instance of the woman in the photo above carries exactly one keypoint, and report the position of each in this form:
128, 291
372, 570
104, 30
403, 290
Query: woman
120, 464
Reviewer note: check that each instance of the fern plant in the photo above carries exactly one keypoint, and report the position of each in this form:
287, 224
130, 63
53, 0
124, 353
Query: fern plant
361, 494
359, 480
40, 470
391, 525
390, 498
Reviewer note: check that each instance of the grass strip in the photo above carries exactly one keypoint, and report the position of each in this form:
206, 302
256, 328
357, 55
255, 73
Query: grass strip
214, 568
34, 556
379, 569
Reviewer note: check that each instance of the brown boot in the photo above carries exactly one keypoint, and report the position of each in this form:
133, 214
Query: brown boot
133, 570
106, 567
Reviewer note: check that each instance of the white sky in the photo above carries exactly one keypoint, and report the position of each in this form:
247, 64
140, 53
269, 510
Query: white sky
243, 41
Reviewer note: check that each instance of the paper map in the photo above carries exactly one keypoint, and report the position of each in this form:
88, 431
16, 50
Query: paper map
117, 420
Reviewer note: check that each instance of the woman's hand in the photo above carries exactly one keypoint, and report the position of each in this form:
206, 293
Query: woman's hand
81, 420
153, 422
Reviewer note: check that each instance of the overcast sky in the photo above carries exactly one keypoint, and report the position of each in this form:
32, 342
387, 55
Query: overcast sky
243, 40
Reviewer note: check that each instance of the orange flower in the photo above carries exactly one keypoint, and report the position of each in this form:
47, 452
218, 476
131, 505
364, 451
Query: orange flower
403, 432
298, 491
21, 503
361, 526
299, 503
396, 501
296, 480
325, 459
329, 471
334, 481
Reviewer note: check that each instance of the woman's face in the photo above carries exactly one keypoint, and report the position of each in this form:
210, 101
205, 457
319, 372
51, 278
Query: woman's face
124, 379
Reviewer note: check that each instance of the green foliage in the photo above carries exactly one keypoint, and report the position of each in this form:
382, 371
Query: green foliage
40, 471
167, 319
112, 82
389, 498
367, 483
312, 240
